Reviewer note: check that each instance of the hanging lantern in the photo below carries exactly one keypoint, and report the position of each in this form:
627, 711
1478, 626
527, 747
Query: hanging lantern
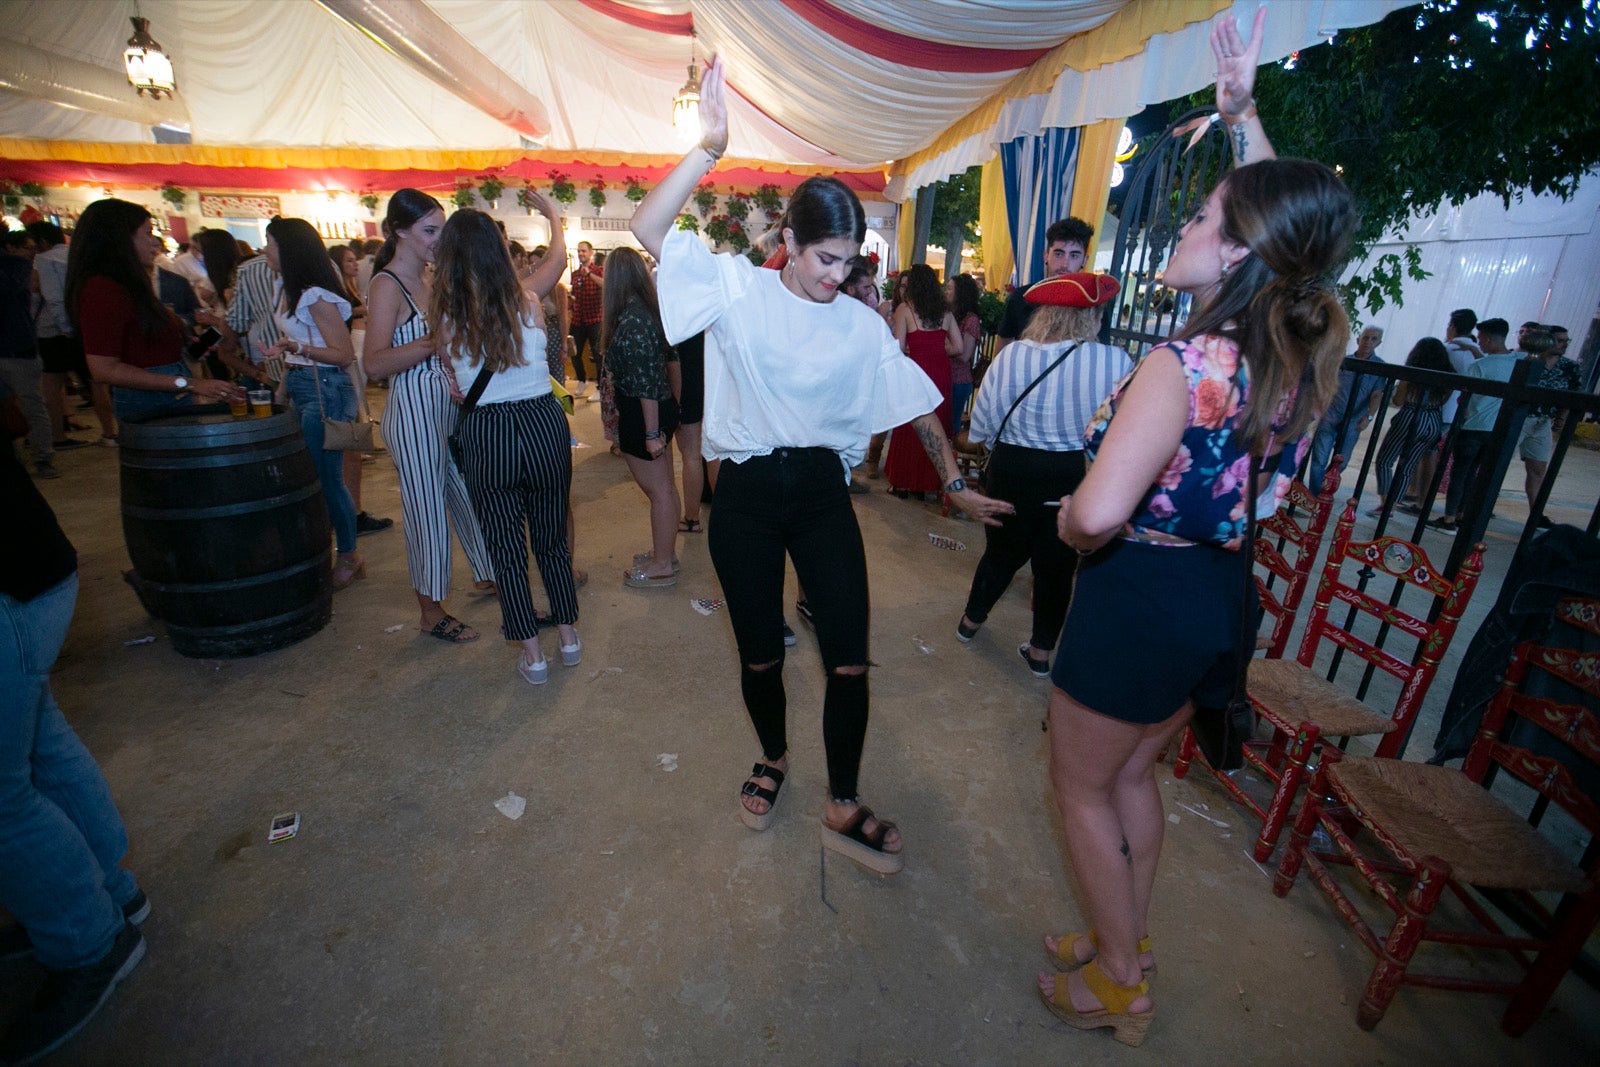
149, 69
686, 104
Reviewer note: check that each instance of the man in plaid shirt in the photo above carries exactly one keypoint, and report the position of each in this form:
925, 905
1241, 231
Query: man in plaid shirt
587, 279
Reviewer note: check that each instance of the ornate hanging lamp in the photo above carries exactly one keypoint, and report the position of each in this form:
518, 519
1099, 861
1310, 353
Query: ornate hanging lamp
149, 69
686, 103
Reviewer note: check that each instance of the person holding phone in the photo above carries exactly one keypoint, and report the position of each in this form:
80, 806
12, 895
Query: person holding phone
131, 342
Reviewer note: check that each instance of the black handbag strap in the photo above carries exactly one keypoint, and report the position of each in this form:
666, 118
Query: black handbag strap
1031, 386
479, 384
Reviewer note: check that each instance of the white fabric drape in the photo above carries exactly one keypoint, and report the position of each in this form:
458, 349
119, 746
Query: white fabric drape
984, 23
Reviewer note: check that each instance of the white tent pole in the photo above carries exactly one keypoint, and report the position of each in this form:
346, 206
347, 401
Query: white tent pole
412, 31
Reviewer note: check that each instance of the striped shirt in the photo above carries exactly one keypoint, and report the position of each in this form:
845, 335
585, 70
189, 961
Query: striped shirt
254, 301
1054, 415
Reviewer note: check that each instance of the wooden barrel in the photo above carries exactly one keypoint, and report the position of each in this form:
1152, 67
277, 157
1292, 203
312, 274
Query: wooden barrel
227, 529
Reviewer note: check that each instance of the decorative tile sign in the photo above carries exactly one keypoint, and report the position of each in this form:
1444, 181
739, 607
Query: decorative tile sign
218, 206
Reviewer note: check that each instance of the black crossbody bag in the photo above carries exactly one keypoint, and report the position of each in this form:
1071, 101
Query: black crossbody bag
479, 384
1062, 358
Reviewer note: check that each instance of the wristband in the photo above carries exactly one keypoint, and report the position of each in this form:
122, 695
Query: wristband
653, 435
715, 156
1246, 115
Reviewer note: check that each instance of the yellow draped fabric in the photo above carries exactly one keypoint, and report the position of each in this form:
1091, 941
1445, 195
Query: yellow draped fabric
1091, 183
1122, 35
906, 231
997, 253
352, 158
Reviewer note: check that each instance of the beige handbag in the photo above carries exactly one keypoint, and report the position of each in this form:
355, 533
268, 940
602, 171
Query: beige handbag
354, 436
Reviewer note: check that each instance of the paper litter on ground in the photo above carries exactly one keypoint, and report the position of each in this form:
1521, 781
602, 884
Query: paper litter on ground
950, 543
147, 639
705, 605
511, 806
396, 628
667, 761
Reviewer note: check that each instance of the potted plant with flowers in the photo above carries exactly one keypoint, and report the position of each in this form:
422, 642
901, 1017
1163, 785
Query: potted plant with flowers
597, 195
705, 198
635, 188
172, 194
739, 206
687, 221
490, 188
369, 200
464, 196
768, 199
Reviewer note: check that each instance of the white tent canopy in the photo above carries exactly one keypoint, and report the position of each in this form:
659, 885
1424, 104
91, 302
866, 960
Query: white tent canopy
834, 83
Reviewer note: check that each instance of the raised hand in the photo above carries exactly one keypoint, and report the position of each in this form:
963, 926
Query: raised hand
1237, 60
544, 205
714, 108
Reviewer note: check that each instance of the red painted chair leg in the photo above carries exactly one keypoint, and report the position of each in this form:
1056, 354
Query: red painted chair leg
1570, 928
1294, 772
1294, 853
1402, 942
1185, 754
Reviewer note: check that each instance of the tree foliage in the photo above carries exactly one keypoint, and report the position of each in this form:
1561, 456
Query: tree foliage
1438, 103
955, 212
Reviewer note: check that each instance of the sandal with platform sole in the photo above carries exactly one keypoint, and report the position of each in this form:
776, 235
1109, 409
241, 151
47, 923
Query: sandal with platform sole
866, 849
750, 789
1126, 1026
1064, 960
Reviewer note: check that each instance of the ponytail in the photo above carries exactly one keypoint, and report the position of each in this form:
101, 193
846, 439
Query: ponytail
1277, 303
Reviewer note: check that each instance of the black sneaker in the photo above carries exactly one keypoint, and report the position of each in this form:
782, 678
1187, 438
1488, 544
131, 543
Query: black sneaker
15, 943
789, 639
963, 633
1040, 670
802, 608
366, 524
69, 999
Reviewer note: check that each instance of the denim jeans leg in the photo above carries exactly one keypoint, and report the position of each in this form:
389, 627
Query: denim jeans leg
337, 395
61, 838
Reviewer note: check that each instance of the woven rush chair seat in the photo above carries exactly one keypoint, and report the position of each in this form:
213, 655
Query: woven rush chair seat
1295, 694
1440, 812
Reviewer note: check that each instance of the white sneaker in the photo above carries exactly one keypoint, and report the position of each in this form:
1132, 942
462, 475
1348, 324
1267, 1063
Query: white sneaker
572, 655
533, 673
594, 397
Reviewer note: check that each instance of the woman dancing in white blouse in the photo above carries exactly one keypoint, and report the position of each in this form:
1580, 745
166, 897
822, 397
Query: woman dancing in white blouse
796, 381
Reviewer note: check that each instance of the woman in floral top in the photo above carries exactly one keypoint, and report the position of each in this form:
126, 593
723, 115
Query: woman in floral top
1154, 624
642, 370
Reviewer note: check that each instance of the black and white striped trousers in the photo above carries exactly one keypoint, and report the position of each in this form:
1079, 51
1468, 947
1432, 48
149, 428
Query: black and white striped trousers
1413, 433
517, 459
417, 420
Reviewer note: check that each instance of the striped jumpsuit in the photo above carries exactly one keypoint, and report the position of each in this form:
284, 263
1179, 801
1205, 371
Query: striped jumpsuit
417, 420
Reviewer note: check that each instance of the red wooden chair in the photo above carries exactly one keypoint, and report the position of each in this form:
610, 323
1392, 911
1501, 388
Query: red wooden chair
1443, 828
1295, 531
1302, 707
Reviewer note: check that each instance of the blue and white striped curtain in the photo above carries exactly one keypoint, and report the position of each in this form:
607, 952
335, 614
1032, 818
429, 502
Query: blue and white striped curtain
1038, 175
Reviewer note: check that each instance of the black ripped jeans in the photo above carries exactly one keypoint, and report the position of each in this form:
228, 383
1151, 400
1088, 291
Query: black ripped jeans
794, 501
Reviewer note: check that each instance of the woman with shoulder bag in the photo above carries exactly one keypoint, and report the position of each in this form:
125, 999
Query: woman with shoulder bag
515, 449
419, 414
313, 316
1035, 406
1159, 605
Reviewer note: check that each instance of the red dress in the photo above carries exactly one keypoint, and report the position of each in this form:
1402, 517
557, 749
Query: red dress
908, 468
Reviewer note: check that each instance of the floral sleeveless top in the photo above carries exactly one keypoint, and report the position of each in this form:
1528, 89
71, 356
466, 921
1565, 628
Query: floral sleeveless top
1199, 498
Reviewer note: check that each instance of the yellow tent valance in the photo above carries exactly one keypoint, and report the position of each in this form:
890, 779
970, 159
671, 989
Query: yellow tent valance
1122, 35
311, 158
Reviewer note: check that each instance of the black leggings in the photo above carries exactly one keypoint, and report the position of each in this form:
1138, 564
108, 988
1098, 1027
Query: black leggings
1027, 477
585, 334
794, 501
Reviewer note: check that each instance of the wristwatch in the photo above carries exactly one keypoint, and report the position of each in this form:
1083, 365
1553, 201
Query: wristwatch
956, 486
180, 383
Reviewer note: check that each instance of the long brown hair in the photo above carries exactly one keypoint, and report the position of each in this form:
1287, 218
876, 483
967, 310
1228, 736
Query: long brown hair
1296, 217
102, 244
475, 291
627, 279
